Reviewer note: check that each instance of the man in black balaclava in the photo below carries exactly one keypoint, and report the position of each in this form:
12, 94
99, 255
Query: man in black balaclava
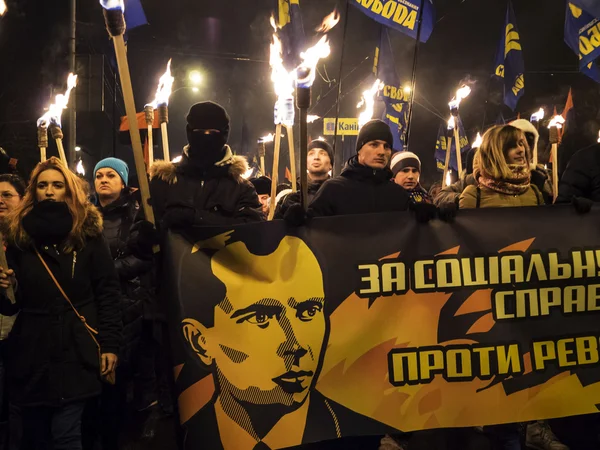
206, 187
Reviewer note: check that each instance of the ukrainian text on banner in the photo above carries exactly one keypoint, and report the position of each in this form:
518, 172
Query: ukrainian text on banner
349, 327
401, 15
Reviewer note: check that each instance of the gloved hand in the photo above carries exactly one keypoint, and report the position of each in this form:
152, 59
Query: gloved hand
178, 216
447, 211
424, 212
295, 215
142, 238
582, 205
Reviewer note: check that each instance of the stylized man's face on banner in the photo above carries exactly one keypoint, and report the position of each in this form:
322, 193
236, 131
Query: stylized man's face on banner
268, 333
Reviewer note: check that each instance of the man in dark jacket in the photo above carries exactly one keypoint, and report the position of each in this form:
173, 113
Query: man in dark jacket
582, 176
319, 162
206, 187
364, 185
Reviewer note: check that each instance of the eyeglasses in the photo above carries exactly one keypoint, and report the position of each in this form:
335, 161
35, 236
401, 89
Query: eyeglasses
8, 195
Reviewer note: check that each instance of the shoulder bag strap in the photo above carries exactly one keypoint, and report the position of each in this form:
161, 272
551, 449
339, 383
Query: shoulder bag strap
90, 330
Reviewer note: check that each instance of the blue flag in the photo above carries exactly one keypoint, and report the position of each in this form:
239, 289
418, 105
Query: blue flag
582, 35
392, 94
291, 31
401, 15
442, 144
500, 120
134, 14
591, 6
509, 61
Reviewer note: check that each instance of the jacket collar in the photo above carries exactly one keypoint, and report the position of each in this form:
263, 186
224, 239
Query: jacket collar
356, 171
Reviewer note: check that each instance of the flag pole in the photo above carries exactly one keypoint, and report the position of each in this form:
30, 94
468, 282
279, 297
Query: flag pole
413, 86
337, 150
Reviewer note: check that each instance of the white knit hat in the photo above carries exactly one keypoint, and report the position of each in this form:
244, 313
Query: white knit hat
401, 160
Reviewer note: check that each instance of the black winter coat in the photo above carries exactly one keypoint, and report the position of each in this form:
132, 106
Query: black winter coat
582, 176
219, 195
359, 190
295, 197
52, 358
133, 268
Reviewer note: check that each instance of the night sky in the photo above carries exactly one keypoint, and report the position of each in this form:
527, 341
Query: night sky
228, 41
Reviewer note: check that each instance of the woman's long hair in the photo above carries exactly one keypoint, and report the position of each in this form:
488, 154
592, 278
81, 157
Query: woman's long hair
490, 159
76, 199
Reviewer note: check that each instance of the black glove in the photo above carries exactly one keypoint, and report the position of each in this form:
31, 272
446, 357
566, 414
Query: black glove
178, 216
447, 211
142, 238
424, 212
582, 205
295, 215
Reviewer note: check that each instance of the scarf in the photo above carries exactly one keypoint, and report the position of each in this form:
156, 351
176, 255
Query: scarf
517, 184
48, 222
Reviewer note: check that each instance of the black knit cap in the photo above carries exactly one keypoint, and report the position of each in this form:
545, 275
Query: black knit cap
208, 116
262, 185
320, 143
375, 130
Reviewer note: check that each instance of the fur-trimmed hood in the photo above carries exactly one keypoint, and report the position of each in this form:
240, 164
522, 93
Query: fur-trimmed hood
167, 171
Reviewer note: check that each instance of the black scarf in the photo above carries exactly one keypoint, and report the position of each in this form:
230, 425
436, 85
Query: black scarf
48, 223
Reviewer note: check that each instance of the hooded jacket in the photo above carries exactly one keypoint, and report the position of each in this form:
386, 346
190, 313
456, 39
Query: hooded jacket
359, 190
218, 194
52, 359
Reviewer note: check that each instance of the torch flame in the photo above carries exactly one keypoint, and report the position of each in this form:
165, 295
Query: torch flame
61, 101
311, 118
113, 4
248, 173
451, 123
461, 94
449, 178
329, 22
177, 159
268, 138
478, 141
537, 116
368, 100
165, 86
2, 7
80, 169
306, 73
283, 81
557, 121
598, 136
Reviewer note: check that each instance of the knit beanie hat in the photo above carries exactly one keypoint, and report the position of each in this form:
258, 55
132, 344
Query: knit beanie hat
262, 185
402, 160
208, 116
115, 164
324, 145
375, 130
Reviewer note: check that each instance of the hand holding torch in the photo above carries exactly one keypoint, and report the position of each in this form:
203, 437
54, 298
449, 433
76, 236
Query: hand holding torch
115, 25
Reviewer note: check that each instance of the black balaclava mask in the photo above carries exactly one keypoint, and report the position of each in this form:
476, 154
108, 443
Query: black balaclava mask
207, 133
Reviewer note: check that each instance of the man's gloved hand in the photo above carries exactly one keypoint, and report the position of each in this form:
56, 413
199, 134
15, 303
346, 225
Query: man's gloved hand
424, 212
179, 216
447, 211
295, 215
582, 205
142, 238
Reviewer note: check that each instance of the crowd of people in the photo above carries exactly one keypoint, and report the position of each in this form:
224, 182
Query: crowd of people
84, 339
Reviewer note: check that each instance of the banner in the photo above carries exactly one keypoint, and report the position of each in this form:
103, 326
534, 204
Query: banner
442, 144
393, 94
346, 127
591, 6
582, 35
351, 326
401, 15
509, 61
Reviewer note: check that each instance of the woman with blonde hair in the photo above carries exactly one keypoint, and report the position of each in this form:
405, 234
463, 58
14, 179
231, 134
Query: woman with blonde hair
68, 330
502, 172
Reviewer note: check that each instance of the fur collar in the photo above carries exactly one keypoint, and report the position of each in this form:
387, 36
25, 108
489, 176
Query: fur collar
167, 171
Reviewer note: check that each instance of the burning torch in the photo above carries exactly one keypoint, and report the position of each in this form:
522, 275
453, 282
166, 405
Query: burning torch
368, 101
536, 119
2, 7
115, 25
451, 127
555, 124
478, 141
262, 150
149, 116
79, 169
461, 94
161, 102
52, 120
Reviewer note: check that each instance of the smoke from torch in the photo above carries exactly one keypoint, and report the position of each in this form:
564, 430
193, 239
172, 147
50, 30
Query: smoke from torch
368, 101
461, 94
